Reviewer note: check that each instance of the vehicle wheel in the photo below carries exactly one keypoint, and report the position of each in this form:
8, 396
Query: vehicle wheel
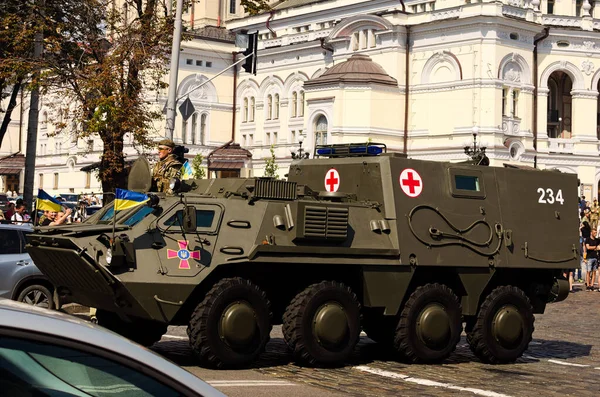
37, 295
322, 323
144, 332
232, 325
504, 326
379, 328
430, 324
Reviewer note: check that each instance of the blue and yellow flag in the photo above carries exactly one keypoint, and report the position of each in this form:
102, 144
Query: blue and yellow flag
125, 199
45, 202
186, 171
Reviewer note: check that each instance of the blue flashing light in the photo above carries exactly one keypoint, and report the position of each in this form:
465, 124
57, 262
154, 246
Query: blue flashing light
368, 150
326, 151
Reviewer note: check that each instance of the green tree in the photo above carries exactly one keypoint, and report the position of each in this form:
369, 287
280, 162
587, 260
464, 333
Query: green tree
99, 65
199, 171
271, 166
254, 7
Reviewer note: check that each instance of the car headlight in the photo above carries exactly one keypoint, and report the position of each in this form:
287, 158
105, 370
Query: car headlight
108, 256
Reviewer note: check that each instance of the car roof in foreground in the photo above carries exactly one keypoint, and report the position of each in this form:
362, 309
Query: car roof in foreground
20, 316
26, 227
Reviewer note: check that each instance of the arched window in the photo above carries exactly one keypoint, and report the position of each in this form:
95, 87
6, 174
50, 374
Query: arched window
252, 109
269, 107
203, 129
245, 113
301, 105
276, 107
194, 128
321, 131
294, 103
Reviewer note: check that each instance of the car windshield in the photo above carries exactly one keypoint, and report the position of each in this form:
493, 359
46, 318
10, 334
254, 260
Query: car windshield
70, 197
130, 217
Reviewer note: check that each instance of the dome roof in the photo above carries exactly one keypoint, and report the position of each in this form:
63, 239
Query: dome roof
358, 69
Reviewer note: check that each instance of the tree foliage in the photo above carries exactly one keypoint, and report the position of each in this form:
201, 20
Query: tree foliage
199, 171
271, 166
101, 61
254, 7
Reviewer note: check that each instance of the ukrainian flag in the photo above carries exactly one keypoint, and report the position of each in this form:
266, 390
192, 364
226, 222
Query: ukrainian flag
186, 171
125, 199
45, 202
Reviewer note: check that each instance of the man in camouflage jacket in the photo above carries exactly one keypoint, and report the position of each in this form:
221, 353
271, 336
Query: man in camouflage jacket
168, 166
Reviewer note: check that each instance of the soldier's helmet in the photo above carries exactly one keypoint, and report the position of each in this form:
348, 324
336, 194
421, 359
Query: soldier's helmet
167, 142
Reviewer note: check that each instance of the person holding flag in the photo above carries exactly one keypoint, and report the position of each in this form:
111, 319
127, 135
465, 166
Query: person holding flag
51, 208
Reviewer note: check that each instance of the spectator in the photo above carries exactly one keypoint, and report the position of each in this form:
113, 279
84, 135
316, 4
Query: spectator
51, 218
10, 210
592, 246
18, 217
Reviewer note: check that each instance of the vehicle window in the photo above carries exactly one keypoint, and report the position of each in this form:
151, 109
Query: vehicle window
138, 216
30, 368
10, 243
467, 182
204, 218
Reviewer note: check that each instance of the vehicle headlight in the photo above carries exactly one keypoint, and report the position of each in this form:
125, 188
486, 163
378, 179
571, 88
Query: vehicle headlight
108, 256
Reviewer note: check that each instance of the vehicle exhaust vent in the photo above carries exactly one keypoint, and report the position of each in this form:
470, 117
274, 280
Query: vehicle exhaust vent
325, 223
274, 189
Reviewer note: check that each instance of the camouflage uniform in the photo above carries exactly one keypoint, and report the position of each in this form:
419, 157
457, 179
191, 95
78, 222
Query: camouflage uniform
595, 211
41, 220
164, 171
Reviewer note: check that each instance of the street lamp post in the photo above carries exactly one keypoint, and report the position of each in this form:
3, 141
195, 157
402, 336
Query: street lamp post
477, 152
301, 153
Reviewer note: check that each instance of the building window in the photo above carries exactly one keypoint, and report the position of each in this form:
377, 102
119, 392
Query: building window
245, 112
41, 181
198, 63
515, 103
244, 140
294, 103
550, 6
293, 140
268, 138
250, 139
252, 109
208, 64
56, 181
275, 138
504, 101
232, 6
90, 145
301, 105
354, 41
189, 61
194, 128
88, 179
321, 131
203, 129
276, 107
269, 107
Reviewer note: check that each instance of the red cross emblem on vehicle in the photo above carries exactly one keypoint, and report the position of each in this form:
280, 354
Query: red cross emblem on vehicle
332, 180
411, 182
183, 254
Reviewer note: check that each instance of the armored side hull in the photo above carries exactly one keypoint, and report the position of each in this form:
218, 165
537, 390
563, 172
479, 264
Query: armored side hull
413, 248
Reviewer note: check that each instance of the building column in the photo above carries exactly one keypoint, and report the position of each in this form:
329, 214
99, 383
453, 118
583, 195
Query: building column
583, 112
542, 111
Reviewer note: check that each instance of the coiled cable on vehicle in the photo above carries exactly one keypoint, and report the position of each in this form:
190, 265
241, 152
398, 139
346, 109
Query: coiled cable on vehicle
459, 239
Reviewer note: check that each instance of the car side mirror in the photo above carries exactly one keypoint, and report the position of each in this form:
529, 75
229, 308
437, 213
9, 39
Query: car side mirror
189, 219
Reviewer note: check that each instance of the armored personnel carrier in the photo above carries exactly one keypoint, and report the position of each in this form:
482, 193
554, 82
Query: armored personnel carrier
407, 250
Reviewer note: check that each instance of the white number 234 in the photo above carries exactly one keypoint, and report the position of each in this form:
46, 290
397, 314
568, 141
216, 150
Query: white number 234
547, 196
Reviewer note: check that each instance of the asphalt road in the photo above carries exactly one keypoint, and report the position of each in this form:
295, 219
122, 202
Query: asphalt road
563, 359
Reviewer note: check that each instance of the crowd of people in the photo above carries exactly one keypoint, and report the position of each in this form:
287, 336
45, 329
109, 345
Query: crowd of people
589, 246
17, 213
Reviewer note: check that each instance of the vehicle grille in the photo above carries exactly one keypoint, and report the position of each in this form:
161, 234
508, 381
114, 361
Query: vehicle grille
325, 222
273, 189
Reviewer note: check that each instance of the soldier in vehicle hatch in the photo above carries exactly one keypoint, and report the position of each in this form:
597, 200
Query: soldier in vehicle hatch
168, 166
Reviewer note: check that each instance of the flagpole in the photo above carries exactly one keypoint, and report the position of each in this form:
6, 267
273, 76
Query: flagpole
35, 211
114, 219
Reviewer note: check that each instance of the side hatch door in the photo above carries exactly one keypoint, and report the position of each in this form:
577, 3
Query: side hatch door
187, 253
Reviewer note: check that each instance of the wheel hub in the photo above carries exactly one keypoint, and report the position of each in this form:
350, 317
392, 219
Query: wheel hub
330, 324
507, 326
433, 326
238, 324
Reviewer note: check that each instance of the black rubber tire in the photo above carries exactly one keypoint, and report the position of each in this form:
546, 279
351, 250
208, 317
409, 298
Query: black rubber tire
37, 295
298, 323
144, 332
407, 342
379, 328
203, 329
480, 339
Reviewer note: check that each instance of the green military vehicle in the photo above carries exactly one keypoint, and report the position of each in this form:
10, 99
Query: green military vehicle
356, 238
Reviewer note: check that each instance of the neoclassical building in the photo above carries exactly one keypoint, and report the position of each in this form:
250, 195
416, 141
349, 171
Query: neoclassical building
423, 76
